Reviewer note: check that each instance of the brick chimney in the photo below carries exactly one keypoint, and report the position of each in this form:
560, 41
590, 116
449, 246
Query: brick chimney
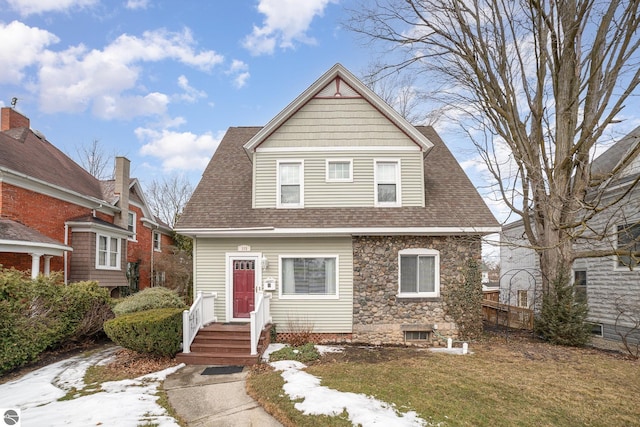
122, 189
11, 119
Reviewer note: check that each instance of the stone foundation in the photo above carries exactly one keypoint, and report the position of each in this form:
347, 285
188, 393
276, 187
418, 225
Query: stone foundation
379, 317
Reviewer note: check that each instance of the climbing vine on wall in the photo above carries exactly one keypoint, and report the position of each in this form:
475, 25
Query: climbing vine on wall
463, 302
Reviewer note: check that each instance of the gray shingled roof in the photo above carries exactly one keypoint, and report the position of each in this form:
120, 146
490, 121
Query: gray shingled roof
607, 161
21, 150
222, 199
17, 232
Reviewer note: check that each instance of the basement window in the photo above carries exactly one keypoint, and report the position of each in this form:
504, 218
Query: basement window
416, 335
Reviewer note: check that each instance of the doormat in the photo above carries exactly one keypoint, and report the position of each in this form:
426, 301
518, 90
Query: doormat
222, 370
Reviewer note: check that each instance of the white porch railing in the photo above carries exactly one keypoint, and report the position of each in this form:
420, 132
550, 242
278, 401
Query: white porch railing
260, 317
200, 314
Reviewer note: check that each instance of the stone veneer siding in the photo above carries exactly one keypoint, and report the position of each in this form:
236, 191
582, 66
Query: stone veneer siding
378, 315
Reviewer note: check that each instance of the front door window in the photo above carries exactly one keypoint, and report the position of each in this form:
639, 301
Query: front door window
244, 273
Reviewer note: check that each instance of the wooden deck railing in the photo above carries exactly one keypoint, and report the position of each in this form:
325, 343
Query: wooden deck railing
260, 317
201, 313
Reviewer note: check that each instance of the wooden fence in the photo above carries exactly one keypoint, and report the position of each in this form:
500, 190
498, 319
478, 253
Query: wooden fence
507, 315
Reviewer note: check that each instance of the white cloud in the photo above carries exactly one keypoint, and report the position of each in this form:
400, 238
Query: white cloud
77, 78
190, 94
240, 72
29, 7
178, 150
21, 47
137, 4
285, 22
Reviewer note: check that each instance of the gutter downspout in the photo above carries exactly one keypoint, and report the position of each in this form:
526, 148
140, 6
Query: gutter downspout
66, 253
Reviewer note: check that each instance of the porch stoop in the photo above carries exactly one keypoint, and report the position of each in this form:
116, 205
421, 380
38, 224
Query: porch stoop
225, 344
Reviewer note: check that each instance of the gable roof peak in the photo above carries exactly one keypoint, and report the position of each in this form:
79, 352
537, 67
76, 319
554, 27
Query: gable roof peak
353, 87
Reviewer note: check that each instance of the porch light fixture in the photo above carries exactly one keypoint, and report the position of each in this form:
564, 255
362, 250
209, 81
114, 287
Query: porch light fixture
265, 262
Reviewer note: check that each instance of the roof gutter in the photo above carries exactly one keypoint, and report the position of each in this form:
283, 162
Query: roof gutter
337, 231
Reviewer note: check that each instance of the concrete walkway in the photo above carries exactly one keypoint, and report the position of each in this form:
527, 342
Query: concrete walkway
214, 400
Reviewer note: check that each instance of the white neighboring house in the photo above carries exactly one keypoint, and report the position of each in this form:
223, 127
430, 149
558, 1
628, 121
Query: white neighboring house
610, 283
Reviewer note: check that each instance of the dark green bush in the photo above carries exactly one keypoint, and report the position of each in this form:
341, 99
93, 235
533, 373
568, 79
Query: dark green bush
42, 314
562, 319
157, 331
149, 299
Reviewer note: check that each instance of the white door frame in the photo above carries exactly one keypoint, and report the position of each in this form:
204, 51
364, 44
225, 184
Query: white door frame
230, 258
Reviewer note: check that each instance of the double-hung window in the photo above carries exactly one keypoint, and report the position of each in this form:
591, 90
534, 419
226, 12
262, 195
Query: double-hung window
387, 182
107, 252
580, 285
419, 273
309, 276
628, 240
290, 184
156, 241
131, 225
339, 170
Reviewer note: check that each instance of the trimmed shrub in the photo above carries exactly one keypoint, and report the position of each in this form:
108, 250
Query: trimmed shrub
157, 331
43, 314
148, 299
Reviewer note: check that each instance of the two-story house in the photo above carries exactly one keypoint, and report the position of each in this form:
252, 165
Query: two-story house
353, 220
610, 284
55, 216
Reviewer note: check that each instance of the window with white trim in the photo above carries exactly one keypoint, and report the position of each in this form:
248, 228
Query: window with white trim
157, 239
387, 182
339, 170
290, 184
628, 240
131, 224
523, 298
107, 252
419, 273
309, 276
580, 285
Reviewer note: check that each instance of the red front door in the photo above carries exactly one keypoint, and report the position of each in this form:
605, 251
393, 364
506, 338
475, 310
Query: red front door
244, 273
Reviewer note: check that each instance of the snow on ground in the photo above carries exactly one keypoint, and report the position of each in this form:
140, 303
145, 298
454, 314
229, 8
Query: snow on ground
320, 400
117, 403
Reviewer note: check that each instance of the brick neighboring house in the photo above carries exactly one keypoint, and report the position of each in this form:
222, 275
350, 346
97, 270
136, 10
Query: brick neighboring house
55, 216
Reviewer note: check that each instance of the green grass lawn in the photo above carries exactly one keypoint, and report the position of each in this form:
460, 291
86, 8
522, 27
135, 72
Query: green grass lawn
516, 383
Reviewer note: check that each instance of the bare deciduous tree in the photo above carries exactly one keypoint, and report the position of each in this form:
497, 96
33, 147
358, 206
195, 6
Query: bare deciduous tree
94, 160
168, 196
544, 79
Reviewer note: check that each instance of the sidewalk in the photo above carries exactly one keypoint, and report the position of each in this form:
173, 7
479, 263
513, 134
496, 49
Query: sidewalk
214, 400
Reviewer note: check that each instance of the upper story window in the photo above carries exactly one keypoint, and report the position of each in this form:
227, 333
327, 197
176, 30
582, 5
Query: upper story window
157, 239
419, 274
107, 252
387, 182
309, 276
131, 224
290, 184
339, 170
628, 240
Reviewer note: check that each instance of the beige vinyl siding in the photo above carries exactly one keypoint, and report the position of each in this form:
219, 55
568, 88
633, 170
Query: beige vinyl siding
337, 123
357, 193
326, 315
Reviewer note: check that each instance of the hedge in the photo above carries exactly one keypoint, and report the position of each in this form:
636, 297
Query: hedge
148, 299
157, 331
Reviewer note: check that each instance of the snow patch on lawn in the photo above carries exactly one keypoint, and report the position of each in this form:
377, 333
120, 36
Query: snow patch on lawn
321, 400
122, 403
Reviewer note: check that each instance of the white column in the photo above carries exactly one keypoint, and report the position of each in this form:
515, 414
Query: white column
35, 265
47, 265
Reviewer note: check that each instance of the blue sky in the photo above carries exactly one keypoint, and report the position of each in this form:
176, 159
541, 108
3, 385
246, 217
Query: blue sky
160, 81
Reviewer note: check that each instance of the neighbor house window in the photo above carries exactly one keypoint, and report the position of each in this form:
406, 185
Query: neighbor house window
160, 278
290, 184
419, 273
304, 276
523, 299
107, 252
628, 240
387, 182
156, 241
580, 285
339, 171
131, 224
